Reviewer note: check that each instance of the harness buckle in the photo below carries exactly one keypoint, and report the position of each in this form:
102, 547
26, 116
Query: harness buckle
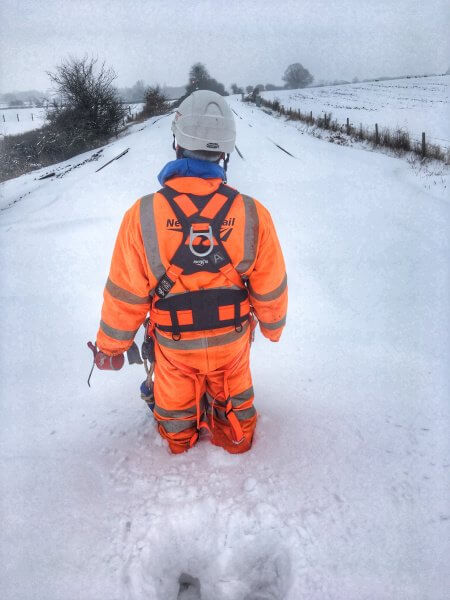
207, 235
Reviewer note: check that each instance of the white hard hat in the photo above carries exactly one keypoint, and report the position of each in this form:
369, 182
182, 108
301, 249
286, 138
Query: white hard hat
204, 121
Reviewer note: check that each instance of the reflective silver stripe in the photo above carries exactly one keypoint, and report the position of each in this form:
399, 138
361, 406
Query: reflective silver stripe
239, 399
199, 343
124, 295
216, 402
247, 413
275, 325
218, 414
250, 235
150, 237
219, 408
175, 414
117, 334
236, 400
273, 295
177, 426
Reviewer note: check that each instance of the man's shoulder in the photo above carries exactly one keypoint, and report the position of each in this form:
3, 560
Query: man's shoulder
256, 205
141, 202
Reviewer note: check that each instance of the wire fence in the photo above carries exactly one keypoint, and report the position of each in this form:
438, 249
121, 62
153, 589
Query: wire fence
398, 139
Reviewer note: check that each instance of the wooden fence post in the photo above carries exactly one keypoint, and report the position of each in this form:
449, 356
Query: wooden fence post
311, 117
17, 115
348, 125
424, 145
377, 137
4, 120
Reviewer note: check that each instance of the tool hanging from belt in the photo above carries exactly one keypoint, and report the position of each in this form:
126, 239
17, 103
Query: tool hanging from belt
148, 355
105, 362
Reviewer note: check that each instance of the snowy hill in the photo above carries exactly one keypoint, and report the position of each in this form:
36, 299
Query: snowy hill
344, 495
416, 104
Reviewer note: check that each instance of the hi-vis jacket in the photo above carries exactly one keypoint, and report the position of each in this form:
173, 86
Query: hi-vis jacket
150, 235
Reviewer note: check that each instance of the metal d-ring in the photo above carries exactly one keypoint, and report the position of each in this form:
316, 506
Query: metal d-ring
208, 235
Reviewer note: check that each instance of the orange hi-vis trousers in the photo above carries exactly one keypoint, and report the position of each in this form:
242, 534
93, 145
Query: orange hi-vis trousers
206, 388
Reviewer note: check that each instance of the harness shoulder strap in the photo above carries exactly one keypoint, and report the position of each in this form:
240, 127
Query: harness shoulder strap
189, 215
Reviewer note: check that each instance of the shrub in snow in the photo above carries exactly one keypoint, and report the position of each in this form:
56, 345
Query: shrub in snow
155, 102
90, 108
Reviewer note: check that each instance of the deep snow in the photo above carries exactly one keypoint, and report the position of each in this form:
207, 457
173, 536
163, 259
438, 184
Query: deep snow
344, 495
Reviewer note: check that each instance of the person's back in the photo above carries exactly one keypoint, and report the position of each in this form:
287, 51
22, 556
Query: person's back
203, 259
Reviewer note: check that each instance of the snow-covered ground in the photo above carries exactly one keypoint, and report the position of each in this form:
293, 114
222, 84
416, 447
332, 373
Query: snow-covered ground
416, 104
135, 108
344, 495
33, 118
29, 118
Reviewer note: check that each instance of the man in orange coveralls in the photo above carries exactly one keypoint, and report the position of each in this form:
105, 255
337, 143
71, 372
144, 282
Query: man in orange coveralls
204, 260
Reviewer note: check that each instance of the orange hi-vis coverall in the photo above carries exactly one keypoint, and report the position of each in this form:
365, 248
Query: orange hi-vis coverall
202, 377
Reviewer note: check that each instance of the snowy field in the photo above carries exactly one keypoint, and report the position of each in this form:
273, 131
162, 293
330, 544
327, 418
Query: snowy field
344, 495
33, 118
9, 125
417, 104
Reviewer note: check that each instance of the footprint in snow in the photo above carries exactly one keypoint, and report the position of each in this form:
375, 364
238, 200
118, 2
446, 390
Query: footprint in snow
210, 550
189, 588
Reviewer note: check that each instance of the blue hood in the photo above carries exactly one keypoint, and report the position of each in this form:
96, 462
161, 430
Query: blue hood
191, 167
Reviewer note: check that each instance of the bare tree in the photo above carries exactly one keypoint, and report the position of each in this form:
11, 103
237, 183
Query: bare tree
200, 79
296, 76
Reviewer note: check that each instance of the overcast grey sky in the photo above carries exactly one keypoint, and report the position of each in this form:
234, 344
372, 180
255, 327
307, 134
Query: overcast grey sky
248, 42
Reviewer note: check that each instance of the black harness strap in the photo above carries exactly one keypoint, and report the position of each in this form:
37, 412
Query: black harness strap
192, 257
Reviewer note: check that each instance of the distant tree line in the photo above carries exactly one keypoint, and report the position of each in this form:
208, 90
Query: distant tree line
20, 99
87, 109
295, 76
136, 93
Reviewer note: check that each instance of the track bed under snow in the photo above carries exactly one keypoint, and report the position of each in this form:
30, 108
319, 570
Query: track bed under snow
343, 494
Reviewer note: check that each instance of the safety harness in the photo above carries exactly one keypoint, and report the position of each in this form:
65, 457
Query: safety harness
201, 250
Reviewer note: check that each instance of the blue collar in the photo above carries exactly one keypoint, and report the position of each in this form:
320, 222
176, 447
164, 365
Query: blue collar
191, 167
